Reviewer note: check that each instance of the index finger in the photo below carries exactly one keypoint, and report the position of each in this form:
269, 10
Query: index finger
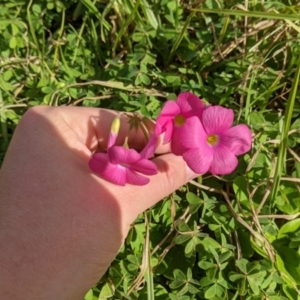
92, 126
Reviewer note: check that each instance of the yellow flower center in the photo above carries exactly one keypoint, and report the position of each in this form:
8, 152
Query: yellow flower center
179, 120
212, 139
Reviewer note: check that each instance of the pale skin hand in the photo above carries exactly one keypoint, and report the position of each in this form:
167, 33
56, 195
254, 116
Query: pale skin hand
60, 225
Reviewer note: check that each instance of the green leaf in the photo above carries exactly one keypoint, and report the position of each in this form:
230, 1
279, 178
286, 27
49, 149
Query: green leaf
7, 75
240, 189
291, 292
288, 228
205, 281
179, 275
182, 238
189, 247
242, 265
149, 14
242, 287
209, 242
195, 202
47, 90
255, 280
182, 226
211, 292
235, 276
106, 292
145, 79
4, 85
193, 199
205, 265
13, 42
14, 29
288, 263
89, 295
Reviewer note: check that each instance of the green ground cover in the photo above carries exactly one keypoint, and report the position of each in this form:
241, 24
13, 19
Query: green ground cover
231, 237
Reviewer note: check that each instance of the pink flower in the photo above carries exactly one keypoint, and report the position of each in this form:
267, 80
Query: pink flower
213, 144
121, 165
174, 116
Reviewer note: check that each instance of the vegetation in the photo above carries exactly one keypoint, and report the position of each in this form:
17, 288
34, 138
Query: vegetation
231, 237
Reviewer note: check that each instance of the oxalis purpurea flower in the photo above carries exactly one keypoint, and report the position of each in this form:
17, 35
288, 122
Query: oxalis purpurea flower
173, 116
213, 143
121, 165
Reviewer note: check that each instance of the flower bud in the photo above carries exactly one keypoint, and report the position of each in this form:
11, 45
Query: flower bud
114, 130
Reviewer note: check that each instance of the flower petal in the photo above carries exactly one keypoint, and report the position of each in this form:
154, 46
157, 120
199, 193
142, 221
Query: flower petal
189, 102
224, 161
176, 145
149, 149
217, 119
100, 165
98, 162
111, 140
192, 134
144, 166
122, 155
135, 178
166, 116
199, 160
168, 131
170, 109
238, 139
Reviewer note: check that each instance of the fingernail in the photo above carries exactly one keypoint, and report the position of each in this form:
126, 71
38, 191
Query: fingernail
190, 174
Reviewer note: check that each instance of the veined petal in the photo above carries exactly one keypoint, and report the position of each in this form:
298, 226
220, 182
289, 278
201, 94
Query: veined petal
199, 160
98, 162
217, 119
166, 116
100, 165
170, 109
192, 134
122, 155
149, 149
144, 166
176, 145
135, 178
168, 132
224, 161
189, 102
238, 139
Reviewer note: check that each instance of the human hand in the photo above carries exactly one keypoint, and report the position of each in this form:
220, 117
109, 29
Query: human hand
60, 225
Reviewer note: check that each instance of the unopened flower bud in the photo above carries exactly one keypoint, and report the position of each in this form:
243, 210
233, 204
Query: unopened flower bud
114, 130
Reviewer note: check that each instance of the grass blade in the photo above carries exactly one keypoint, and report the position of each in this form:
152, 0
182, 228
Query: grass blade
125, 25
255, 14
180, 37
93, 9
148, 274
286, 127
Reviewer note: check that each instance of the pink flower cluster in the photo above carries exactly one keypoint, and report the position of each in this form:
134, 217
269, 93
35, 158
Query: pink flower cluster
202, 135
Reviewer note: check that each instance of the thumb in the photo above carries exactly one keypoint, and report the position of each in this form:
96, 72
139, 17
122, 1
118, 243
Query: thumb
172, 174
